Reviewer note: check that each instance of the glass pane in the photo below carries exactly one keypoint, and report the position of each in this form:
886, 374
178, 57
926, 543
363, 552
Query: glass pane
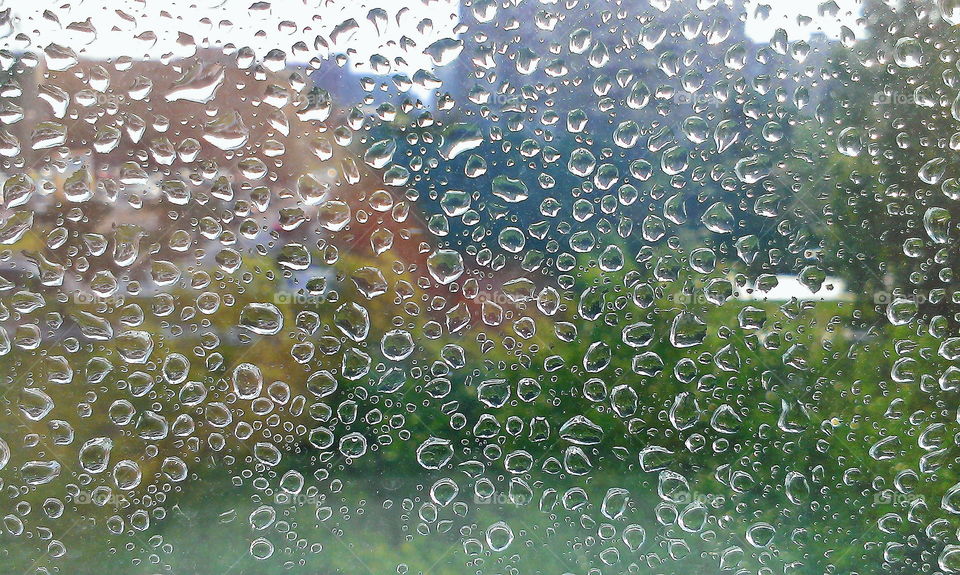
480, 286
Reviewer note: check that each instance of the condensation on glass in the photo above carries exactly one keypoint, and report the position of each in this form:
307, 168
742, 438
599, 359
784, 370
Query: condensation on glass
479, 286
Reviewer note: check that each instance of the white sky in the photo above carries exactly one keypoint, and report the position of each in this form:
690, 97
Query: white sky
281, 23
784, 14
218, 22
789, 287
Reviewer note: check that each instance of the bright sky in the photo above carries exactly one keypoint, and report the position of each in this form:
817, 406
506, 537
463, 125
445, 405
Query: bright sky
153, 29
825, 17
789, 287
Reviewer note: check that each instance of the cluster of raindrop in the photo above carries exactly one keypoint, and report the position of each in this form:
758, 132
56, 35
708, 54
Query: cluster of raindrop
558, 286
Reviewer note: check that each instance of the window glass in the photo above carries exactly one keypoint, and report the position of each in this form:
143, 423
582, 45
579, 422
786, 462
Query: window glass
479, 286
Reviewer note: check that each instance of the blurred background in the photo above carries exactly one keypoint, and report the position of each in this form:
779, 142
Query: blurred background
491, 287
